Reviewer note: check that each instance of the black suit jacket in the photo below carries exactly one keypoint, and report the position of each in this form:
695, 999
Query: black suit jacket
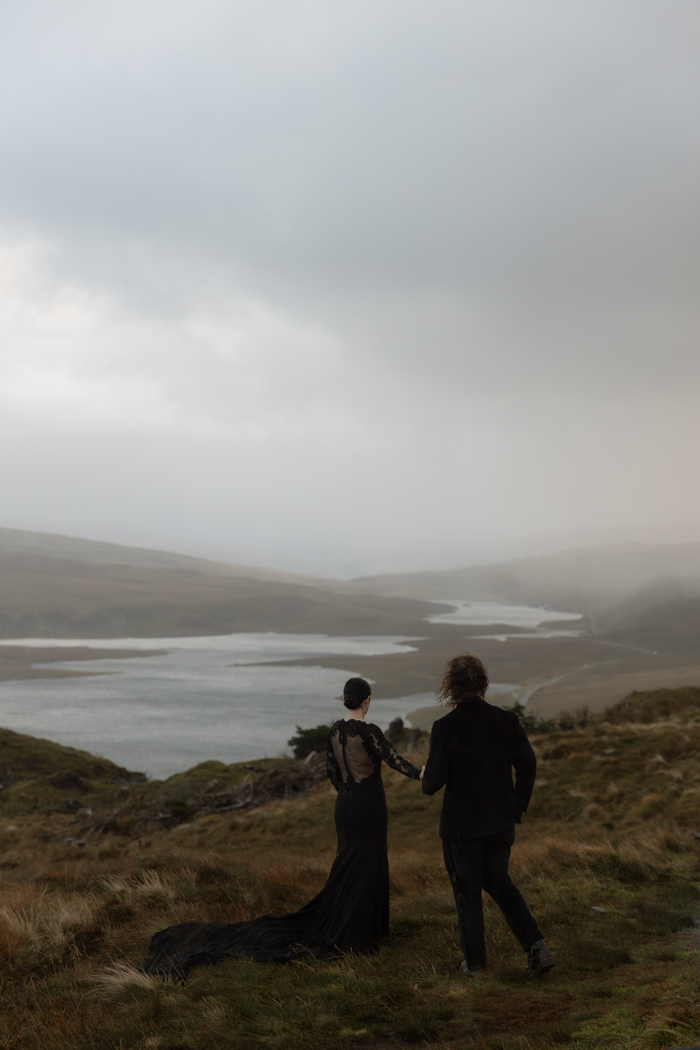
473, 751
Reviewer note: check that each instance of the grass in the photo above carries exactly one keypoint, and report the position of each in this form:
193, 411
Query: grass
53, 597
76, 921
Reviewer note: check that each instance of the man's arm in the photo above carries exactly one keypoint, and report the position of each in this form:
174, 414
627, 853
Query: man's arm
525, 765
438, 765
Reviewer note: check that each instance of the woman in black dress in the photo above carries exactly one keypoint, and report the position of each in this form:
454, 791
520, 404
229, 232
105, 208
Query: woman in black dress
351, 913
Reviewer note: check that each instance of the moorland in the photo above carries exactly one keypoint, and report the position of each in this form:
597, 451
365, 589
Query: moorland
94, 859
640, 606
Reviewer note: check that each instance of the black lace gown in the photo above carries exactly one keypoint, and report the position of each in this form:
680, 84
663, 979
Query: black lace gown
351, 913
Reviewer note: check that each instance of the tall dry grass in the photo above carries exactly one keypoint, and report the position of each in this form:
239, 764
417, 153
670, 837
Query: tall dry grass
38, 926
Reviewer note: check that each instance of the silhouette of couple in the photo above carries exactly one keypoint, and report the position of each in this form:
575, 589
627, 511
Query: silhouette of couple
473, 751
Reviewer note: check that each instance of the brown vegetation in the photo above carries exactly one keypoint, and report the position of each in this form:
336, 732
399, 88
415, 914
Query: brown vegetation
606, 857
579, 579
50, 598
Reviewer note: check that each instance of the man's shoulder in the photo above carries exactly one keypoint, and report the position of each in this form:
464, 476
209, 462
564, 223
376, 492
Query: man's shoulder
503, 714
457, 718
482, 712
506, 720
473, 706
451, 721
445, 721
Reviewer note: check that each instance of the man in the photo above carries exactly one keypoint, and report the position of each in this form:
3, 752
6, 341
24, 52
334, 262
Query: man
473, 750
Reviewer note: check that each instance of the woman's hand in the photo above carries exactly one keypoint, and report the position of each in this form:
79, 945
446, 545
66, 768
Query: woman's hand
422, 772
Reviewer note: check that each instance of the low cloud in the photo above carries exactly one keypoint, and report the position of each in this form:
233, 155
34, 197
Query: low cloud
338, 283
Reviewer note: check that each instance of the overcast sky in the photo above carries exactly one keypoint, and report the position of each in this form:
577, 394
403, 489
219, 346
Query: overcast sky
343, 287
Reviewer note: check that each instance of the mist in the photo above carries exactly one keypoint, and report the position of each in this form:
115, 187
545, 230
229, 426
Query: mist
346, 290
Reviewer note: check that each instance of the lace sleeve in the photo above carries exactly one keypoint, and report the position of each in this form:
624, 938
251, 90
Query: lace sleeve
332, 771
380, 746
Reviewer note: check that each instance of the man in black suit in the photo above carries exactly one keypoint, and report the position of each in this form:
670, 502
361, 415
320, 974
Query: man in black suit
473, 751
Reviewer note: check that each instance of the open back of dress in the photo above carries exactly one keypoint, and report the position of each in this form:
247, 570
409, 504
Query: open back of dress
356, 750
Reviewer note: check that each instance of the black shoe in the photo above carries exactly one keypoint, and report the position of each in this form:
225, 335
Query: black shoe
539, 960
463, 968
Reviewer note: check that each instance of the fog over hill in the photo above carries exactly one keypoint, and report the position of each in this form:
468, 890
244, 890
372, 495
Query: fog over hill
660, 592
663, 616
584, 579
60, 586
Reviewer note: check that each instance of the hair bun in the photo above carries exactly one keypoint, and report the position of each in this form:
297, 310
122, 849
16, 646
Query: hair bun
355, 691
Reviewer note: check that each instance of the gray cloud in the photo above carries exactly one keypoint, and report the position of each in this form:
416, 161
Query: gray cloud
255, 258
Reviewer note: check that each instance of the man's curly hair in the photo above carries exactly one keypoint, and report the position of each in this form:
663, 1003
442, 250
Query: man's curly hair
465, 677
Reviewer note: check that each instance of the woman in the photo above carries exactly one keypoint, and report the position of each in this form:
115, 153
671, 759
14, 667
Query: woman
352, 910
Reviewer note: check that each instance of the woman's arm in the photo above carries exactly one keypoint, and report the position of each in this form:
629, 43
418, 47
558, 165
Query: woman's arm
378, 743
332, 771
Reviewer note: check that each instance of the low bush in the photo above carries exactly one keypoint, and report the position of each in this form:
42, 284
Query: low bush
305, 741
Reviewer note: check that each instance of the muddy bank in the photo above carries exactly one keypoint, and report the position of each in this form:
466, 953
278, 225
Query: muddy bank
19, 662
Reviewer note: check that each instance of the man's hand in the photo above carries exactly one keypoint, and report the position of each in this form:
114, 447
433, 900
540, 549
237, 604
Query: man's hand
422, 772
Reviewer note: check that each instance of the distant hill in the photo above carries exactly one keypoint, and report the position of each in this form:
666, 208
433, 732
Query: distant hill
663, 616
652, 595
51, 597
66, 587
95, 552
584, 579
60, 586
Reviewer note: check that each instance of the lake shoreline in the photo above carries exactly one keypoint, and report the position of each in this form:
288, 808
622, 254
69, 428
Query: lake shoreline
235, 694
18, 662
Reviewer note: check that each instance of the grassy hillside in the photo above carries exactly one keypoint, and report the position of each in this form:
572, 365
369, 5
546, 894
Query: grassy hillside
669, 627
663, 616
96, 552
649, 640
581, 580
46, 597
28, 760
606, 858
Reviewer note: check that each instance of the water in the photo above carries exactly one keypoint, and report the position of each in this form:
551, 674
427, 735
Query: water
527, 618
207, 698
223, 697
245, 648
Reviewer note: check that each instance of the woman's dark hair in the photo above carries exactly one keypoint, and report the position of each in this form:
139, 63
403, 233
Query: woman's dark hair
355, 691
465, 677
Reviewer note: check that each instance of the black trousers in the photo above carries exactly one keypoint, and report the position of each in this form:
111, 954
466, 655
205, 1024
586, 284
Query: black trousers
476, 864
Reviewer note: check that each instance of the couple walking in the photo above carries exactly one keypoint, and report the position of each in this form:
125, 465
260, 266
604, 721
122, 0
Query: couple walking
473, 751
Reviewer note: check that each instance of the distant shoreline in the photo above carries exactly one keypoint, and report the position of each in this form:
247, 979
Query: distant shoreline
18, 662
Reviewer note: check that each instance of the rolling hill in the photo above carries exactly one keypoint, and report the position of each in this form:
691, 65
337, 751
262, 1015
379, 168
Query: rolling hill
96, 552
50, 597
584, 579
